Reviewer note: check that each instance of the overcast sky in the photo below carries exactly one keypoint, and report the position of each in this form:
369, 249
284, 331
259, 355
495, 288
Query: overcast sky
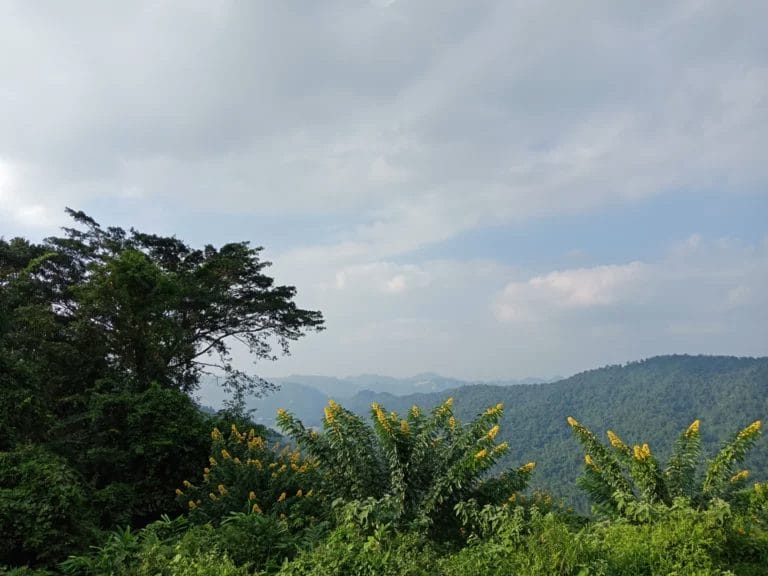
485, 189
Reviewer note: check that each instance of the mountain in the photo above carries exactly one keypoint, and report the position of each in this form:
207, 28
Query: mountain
650, 401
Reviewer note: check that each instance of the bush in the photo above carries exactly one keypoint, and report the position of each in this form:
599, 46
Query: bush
44, 511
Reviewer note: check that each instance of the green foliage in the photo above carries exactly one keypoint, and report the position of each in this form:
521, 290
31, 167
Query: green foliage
134, 448
422, 465
164, 548
631, 483
385, 552
44, 512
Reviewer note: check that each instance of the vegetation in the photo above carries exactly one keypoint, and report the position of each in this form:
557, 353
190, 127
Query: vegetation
108, 467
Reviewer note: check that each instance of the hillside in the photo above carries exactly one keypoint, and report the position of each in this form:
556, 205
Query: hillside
646, 401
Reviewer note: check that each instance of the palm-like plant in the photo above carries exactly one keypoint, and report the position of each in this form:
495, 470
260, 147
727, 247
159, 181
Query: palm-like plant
620, 480
422, 463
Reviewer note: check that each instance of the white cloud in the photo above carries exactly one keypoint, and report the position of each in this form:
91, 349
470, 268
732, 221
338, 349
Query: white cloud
570, 289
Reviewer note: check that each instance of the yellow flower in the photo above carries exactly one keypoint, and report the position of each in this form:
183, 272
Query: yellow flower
282, 497
588, 460
215, 434
225, 454
495, 410
742, 475
529, 467
187, 484
501, 447
256, 509
750, 430
481, 454
234, 429
641, 452
192, 505
207, 470
299, 493
512, 498
251, 495
616, 441
179, 492
281, 412
452, 423
415, 412
236, 461
212, 496
212, 461
449, 402
492, 432
693, 428
572, 422
404, 426
222, 489
328, 415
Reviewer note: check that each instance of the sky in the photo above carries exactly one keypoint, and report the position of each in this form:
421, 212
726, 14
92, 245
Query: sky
487, 189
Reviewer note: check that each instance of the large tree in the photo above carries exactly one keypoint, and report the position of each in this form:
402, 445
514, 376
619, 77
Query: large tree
146, 308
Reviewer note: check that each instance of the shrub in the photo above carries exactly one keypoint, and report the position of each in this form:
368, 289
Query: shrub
44, 511
422, 464
630, 482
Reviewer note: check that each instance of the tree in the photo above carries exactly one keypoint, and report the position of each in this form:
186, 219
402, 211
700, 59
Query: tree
153, 309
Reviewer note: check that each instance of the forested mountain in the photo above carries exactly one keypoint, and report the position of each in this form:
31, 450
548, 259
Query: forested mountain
647, 401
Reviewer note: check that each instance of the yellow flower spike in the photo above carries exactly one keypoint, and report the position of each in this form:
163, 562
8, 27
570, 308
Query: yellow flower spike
333, 405
207, 470
452, 423
282, 497
222, 489
328, 415
492, 432
404, 426
415, 412
311, 490
481, 454
192, 505
179, 492
741, 475
646, 451
187, 484
225, 454
281, 412
449, 402
251, 495
495, 410
588, 460
750, 430
236, 461
212, 461
500, 447
234, 429
616, 441
693, 428
215, 434
637, 452
529, 467
256, 509
283, 468
299, 493
212, 496
512, 498
572, 422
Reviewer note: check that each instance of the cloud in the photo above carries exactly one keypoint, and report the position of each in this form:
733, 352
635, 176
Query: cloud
570, 289
417, 123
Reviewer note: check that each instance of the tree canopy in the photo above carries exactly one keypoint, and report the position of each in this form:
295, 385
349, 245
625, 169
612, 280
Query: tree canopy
150, 308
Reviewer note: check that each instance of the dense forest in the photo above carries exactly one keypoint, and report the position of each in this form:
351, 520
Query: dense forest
108, 466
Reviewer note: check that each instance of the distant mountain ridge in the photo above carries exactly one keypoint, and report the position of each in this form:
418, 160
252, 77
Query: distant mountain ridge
650, 400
